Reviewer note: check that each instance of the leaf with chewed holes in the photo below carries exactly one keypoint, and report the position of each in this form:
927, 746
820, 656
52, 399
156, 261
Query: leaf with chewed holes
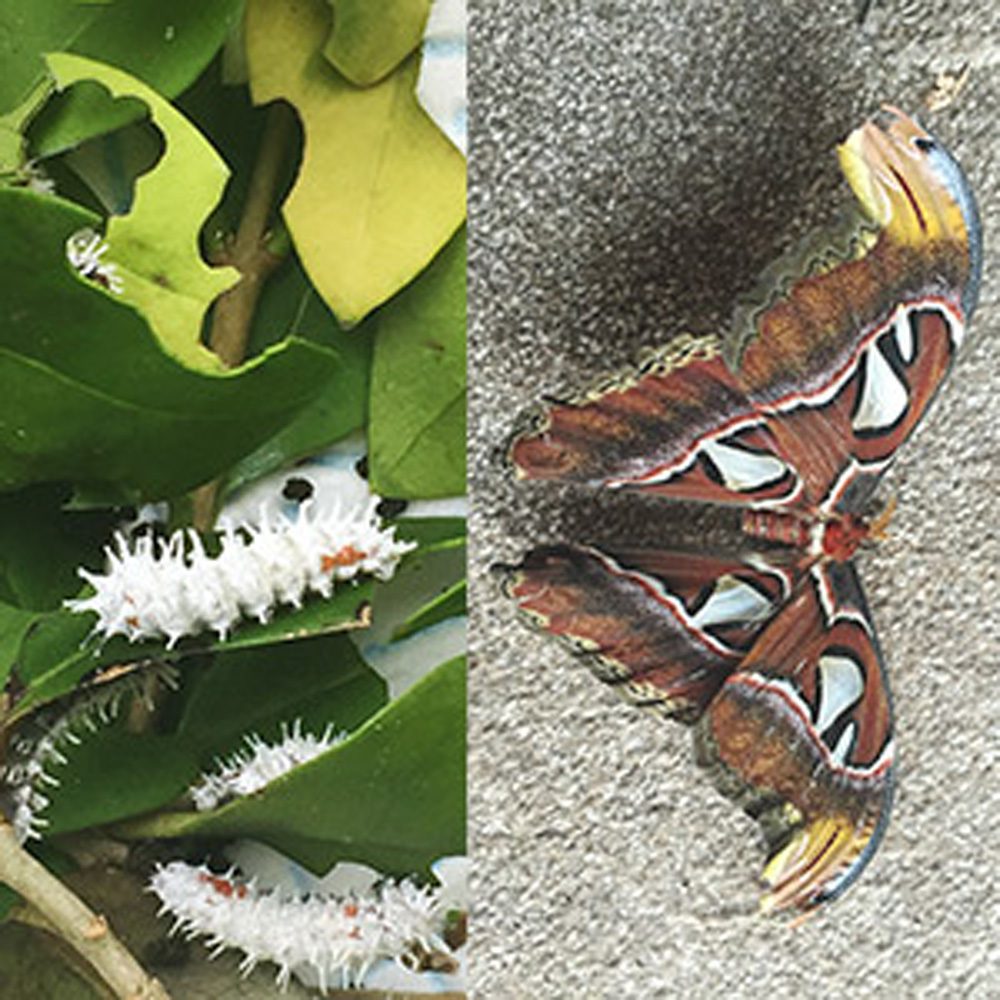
90, 396
155, 246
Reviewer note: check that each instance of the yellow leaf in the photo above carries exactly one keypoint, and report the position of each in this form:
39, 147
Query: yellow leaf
380, 189
155, 246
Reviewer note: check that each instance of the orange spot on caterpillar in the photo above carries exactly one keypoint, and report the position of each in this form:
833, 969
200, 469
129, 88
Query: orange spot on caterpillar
342, 557
224, 887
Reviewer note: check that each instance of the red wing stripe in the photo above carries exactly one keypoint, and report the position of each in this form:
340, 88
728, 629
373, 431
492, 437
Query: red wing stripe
831, 387
687, 457
654, 589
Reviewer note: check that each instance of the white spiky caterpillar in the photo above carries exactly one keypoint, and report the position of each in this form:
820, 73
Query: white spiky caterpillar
43, 741
170, 588
85, 250
249, 770
326, 938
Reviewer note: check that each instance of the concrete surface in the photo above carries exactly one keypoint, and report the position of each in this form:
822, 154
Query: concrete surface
634, 165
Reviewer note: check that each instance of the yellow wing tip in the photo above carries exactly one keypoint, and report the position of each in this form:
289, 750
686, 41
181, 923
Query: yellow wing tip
801, 874
885, 161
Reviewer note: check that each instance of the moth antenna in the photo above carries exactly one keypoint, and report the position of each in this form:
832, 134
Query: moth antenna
879, 528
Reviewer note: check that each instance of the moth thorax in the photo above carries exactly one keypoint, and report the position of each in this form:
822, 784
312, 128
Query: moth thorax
839, 538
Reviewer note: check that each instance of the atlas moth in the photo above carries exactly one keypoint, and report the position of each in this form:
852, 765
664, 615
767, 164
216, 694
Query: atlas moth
771, 655
348, 929
156, 588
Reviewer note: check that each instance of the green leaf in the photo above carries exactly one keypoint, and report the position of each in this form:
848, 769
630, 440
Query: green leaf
435, 567
52, 657
347, 609
12, 127
11, 150
73, 116
155, 246
416, 434
320, 681
370, 38
290, 306
32, 521
392, 795
167, 45
432, 533
90, 397
14, 625
423, 576
446, 605
380, 189
56, 653
114, 774
109, 165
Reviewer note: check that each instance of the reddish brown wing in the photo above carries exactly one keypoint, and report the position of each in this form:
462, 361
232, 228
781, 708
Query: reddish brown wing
831, 369
683, 427
666, 627
846, 361
801, 736
777, 434
844, 433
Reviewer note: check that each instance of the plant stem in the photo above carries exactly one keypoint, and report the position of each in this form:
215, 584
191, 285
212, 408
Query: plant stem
82, 929
234, 311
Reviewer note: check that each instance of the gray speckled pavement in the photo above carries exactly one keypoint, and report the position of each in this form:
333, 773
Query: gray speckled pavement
634, 165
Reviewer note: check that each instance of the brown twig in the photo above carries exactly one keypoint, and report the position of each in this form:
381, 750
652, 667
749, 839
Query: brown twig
82, 929
234, 311
247, 253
